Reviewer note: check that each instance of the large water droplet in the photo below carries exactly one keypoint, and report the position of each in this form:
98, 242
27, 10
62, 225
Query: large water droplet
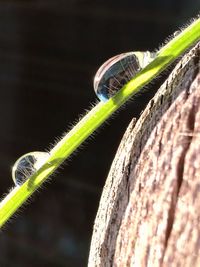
27, 165
117, 71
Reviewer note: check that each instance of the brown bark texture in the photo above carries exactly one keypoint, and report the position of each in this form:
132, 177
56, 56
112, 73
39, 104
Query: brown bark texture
149, 212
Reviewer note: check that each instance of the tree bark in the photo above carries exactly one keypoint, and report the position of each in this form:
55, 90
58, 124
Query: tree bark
149, 213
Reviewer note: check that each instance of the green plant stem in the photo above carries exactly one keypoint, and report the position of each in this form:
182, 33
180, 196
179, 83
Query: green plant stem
93, 119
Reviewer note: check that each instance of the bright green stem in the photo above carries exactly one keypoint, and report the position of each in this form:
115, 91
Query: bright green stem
96, 117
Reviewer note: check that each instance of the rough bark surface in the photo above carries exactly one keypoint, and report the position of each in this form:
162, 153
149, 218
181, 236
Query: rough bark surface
149, 213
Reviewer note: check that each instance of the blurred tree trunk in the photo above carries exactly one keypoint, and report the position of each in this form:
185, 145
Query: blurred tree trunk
149, 213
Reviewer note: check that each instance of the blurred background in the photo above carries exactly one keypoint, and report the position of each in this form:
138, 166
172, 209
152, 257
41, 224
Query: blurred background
49, 53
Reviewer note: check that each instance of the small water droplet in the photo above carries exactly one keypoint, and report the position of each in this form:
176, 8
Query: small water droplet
117, 71
27, 165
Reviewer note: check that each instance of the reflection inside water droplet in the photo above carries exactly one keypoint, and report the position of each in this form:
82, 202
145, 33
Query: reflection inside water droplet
27, 165
117, 71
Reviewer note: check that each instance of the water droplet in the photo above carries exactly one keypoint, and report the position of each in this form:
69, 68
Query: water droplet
27, 165
117, 71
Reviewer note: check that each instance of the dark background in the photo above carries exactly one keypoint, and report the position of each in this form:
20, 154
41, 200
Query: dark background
49, 53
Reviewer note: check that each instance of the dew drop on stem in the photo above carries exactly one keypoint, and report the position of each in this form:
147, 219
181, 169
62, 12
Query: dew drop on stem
117, 71
27, 165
